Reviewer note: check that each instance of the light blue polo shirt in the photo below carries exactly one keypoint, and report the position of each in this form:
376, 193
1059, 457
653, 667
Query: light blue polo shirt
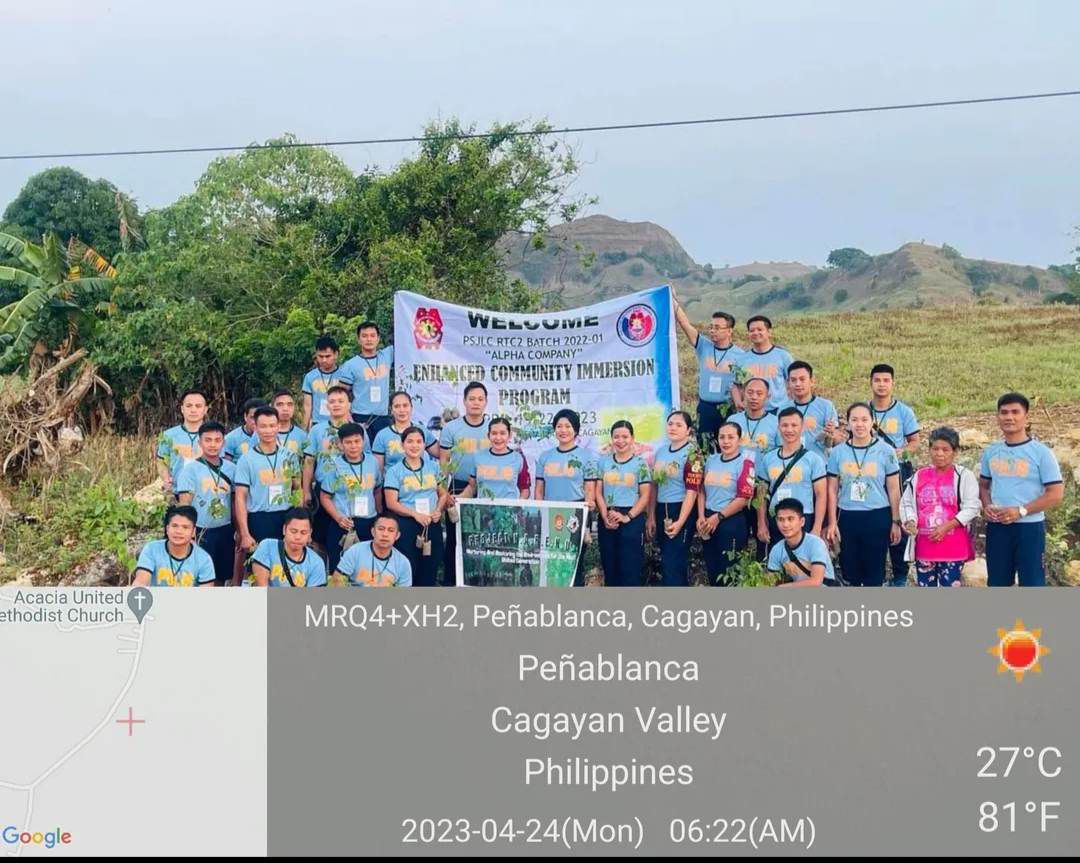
369, 378
497, 475
620, 480
669, 471
268, 478
310, 571
772, 365
351, 484
812, 549
178, 447
565, 472
815, 413
316, 383
760, 434
716, 369
721, 479
363, 568
799, 482
212, 487
168, 571
1019, 473
896, 422
862, 471
416, 489
388, 444
463, 440
237, 442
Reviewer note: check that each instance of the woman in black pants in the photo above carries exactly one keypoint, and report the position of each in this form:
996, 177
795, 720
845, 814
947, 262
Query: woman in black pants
728, 486
864, 500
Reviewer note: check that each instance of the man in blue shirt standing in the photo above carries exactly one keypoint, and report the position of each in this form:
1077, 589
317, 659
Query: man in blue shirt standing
896, 425
719, 360
820, 421
766, 360
318, 380
1019, 480
368, 373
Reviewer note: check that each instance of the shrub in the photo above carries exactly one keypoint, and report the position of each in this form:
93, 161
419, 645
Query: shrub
637, 269
850, 259
840, 296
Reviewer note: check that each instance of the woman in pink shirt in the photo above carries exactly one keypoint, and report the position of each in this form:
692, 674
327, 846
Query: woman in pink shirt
937, 506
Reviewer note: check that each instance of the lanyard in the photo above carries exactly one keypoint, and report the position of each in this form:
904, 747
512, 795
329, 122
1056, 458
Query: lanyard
359, 477
191, 439
375, 570
802, 409
418, 473
372, 363
752, 432
716, 362
285, 441
855, 455
273, 464
219, 477
180, 563
326, 379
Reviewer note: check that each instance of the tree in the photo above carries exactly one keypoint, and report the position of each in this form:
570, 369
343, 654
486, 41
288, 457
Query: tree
62, 201
850, 259
51, 306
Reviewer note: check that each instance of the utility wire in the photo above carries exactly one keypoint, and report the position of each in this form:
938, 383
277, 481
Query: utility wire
533, 133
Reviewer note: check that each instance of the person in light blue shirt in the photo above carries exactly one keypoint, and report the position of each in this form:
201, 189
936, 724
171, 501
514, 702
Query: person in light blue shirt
820, 421
1019, 480
864, 500
727, 488
376, 563
178, 446
387, 446
238, 441
175, 561
759, 429
289, 435
207, 484
414, 493
801, 557
368, 374
498, 471
266, 478
568, 472
676, 480
351, 491
318, 380
288, 561
895, 423
790, 471
622, 499
766, 360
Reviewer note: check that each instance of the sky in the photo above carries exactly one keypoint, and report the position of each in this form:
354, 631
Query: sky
994, 181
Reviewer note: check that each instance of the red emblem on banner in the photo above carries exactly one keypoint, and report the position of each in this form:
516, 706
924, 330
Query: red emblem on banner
427, 328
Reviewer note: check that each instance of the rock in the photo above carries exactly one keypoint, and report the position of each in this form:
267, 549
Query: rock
974, 574
70, 440
150, 495
973, 438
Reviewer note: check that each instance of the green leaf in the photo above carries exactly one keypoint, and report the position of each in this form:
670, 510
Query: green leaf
20, 277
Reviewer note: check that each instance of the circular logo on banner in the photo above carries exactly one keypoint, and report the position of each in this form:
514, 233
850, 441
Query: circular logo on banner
637, 325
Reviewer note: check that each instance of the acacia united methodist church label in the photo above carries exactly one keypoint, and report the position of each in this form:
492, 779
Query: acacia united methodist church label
609, 361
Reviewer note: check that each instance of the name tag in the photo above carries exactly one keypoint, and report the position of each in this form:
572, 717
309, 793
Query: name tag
423, 506
375, 394
276, 492
860, 491
716, 385
360, 507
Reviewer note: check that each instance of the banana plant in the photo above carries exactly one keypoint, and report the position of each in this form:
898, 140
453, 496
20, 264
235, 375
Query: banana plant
43, 273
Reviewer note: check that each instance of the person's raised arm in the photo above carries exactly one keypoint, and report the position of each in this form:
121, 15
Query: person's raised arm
684, 322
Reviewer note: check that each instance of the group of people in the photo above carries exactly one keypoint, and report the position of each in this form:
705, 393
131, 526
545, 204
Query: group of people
357, 493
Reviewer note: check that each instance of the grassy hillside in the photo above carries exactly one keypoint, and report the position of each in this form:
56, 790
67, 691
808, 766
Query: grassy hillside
949, 361
599, 257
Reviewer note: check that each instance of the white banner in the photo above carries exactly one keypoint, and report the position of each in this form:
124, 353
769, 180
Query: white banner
609, 361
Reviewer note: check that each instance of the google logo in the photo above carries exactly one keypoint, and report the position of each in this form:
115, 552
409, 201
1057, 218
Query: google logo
12, 836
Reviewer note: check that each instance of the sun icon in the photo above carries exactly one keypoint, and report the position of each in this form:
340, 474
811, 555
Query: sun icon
1018, 649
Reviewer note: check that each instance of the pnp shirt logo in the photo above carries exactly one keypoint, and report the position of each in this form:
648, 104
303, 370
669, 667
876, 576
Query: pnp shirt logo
412, 483
1017, 467
269, 476
277, 573
852, 469
554, 468
493, 472
623, 478
795, 474
720, 478
165, 578
366, 576
722, 367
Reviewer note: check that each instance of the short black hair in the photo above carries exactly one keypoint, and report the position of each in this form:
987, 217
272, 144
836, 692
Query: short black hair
252, 404
323, 343
194, 391
297, 513
946, 434
729, 318
1014, 399
279, 393
731, 423
757, 318
571, 416
689, 420
800, 364
265, 411
386, 516
212, 426
768, 386
622, 424
183, 511
789, 411
791, 503
474, 385
410, 430
397, 393
350, 430
882, 369
368, 325
340, 388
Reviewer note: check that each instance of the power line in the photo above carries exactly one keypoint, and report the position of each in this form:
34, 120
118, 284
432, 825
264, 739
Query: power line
532, 133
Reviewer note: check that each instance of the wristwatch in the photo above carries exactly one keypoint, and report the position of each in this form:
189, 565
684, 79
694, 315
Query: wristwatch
1023, 511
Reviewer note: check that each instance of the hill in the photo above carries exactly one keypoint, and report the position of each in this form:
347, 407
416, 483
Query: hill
598, 257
